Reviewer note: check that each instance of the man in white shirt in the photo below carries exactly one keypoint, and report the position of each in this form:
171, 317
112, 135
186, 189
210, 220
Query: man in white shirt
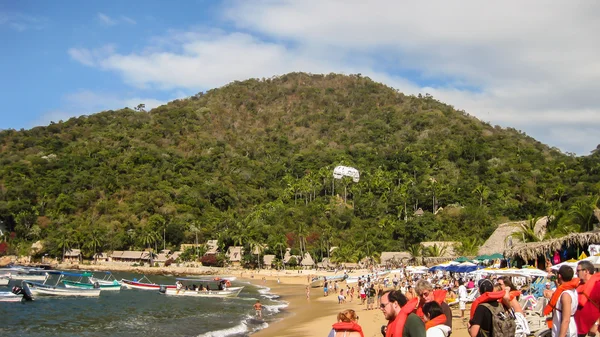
462, 297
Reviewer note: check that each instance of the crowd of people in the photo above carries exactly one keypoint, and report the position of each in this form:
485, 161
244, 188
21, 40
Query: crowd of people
416, 305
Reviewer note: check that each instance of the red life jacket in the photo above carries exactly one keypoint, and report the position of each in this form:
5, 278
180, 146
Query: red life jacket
348, 326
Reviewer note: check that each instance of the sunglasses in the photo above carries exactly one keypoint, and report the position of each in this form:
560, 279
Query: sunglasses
382, 305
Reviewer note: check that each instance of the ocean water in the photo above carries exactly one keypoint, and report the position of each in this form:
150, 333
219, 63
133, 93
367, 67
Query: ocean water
132, 312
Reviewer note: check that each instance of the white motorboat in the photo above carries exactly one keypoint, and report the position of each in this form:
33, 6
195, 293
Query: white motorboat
6, 296
227, 292
108, 279
221, 288
30, 274
4, 280
48, 289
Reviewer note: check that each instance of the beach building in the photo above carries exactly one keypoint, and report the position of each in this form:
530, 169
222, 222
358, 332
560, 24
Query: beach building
130, 256
307, 261
326, 264
101, 257
73, 256
506, 236
288, 256
212, 247
268, 261
234, 255
395, 259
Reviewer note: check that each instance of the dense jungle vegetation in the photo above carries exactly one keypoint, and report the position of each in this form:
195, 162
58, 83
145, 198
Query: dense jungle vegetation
252, 162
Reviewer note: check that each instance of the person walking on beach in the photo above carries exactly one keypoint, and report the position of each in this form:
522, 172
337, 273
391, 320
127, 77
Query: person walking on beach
371, 293
397, 310
462, 297
258, 309
347, 325
307, 292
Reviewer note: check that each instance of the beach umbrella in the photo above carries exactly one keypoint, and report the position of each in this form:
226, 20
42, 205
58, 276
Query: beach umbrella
496, 256
461, 259
482, 258
571, 263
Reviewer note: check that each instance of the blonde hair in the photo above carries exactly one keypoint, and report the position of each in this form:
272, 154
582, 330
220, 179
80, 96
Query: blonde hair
347, 315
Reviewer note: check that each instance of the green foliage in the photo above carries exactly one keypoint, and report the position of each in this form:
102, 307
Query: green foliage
252, 162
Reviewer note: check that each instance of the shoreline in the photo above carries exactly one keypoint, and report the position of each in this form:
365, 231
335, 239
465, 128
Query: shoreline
301, 317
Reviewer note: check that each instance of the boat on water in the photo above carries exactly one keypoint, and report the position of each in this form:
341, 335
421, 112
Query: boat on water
21, 273
17, 294
319, 281
221, 287
48, 289
113, 286
108, 278
139, 284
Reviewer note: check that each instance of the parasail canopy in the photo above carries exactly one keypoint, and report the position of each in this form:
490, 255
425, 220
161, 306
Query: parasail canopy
344, 171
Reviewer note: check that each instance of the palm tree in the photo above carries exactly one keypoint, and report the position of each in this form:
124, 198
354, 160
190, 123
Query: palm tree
435, 250
65, 240
468, 247
301, 237
482, 192
195, 229
416, 251
94, 240
582, 213
527, 231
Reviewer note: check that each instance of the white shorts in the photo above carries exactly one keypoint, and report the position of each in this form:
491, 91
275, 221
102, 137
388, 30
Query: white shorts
462, 305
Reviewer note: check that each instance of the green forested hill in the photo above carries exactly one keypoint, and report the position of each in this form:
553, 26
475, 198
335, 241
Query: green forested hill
252, 162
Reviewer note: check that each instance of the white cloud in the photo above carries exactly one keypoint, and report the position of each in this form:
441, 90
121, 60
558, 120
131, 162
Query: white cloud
21, 22
128, 20
106, 20
89, 57
529, 65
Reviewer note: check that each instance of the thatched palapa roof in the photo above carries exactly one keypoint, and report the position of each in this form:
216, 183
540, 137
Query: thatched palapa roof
530, 251
395, 258
503, 239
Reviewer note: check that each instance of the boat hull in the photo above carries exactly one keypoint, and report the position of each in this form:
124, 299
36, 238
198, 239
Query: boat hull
43, 290
80, 285
143, 286
10, 297
229, 292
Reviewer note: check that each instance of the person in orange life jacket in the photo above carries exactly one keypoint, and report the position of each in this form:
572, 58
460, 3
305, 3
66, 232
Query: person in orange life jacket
426, 294
402, 322
435, 320
347, 325
480, 324
563, 304
511, 299
588, 298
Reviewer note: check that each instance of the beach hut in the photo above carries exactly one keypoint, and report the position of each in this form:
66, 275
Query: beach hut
268, 261
234, 254
307, 261
394, 259
503, 237
534, 250
72, 255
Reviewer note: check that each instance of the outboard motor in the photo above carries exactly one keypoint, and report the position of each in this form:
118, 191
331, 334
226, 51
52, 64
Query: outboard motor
20, 291
163, 289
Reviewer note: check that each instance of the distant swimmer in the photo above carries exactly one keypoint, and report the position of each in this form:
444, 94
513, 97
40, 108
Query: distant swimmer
258, 309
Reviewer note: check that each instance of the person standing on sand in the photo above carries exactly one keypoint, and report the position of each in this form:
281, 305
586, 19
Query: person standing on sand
347, 325
308, 292
462, 297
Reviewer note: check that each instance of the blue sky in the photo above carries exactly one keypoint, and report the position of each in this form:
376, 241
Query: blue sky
536, 69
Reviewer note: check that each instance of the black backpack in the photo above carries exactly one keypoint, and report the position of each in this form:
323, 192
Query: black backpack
503, 322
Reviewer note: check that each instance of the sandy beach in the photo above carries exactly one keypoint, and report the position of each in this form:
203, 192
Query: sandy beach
315, 316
